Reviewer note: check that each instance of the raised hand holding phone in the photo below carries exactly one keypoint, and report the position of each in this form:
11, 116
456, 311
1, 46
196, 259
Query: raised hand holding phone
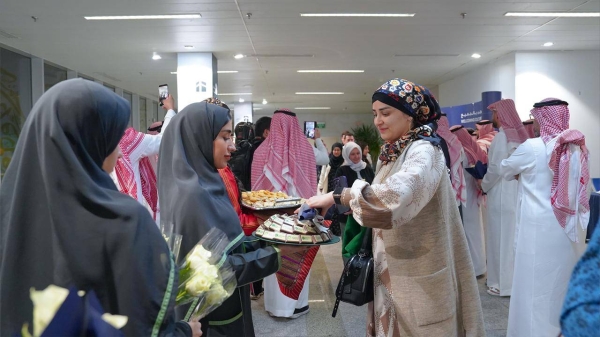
163, 93
168, 103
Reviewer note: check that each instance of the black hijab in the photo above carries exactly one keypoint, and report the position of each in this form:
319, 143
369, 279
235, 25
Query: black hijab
191, 192
65, 223
339, 160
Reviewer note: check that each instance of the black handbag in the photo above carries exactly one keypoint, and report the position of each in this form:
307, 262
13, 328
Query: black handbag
356, 283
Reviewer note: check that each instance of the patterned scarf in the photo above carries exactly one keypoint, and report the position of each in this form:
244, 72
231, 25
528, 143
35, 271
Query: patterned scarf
390, 152
454, 148
569, 190
125, 175
416, 101
510, 120
486, 134
473, 152
528, 124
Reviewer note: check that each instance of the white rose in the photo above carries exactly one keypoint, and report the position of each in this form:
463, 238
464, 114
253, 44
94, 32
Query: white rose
117, 321
45, 305
197, 262
201, 252
211, 272
197, 285
216, 294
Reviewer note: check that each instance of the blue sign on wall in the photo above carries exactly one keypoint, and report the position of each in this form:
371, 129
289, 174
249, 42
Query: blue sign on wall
468, 115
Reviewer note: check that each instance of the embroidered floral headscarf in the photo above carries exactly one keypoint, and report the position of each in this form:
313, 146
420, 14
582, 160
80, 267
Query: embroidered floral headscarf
416, 101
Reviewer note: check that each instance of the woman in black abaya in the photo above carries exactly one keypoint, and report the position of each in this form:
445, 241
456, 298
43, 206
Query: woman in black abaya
64, 222
193, 197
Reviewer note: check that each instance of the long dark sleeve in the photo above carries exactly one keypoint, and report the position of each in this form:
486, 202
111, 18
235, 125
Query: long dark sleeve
255, 265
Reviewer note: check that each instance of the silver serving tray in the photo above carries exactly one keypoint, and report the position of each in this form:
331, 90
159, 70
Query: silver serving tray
284, 203
334, 240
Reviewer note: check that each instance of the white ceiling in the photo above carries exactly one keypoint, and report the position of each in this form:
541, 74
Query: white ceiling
123, 49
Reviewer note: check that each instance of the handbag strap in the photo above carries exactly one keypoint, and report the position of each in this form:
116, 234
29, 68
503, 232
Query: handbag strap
340, 288
367, 243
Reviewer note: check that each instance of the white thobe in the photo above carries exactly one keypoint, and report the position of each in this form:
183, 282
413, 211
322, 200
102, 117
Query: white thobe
320, 152
472, 222
545, 256
279, 305
501, 217
148, 147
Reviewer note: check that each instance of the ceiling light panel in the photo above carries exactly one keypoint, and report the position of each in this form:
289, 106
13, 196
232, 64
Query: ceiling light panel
227, 71
555, 14
145, 17
331, 71
368, 15
235, 94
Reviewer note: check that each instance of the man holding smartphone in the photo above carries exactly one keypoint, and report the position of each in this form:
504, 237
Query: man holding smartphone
134, 174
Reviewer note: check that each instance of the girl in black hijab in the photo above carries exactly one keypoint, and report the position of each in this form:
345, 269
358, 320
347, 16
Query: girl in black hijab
64, 222
193, 197
335, 161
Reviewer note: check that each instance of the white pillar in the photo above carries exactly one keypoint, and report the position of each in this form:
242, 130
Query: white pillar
37, 79
196, 78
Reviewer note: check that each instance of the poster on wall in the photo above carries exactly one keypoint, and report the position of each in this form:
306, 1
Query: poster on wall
469, 114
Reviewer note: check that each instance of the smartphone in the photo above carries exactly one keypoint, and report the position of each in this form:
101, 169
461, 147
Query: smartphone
163, 92
309, 129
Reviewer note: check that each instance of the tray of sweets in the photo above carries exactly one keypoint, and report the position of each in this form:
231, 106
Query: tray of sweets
288, 229
267, 200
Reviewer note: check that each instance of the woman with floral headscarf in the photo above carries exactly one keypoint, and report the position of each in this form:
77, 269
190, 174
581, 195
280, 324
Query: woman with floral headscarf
424, 279
553, 175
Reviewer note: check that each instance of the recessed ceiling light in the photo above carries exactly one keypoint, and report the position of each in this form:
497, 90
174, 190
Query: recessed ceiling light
555, 14
314, 108
144, 17
264, 101
548, 44
476, 56
235, 94
155, 56
331, 71
239, 56
241, 100
257, 108
319, 93
226, 71
378, 15
188, 46
173, 73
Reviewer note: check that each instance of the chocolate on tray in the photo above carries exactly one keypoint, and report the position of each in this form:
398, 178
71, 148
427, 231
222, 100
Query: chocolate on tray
287, 228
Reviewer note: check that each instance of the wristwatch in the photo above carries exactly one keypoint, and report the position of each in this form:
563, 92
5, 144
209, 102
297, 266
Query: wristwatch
337, 195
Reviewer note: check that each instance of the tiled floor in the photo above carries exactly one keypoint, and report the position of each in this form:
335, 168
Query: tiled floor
350, 320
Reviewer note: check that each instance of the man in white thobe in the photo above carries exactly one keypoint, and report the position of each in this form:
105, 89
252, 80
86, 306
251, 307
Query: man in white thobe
502, 199
147, 147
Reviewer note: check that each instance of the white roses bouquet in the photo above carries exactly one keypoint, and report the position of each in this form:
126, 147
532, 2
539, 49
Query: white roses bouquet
205, 277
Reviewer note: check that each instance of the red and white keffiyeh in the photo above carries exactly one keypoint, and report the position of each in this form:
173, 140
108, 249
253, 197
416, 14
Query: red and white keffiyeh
126, 176
568, 160
486, 134
454, 147
510, 121
285, 161
528, 124
472, 150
